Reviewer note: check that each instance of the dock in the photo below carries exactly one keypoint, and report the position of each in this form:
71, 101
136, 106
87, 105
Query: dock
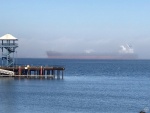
9, 68
33, 72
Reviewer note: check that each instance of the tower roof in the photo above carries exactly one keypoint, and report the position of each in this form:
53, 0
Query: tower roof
8, 37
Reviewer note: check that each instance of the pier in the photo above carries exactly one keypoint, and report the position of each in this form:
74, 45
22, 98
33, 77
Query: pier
33, 72
10, 69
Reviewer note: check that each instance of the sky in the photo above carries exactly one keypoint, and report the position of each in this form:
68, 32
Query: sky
76, 26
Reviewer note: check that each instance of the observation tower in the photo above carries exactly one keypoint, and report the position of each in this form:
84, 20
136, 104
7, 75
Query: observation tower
8, 45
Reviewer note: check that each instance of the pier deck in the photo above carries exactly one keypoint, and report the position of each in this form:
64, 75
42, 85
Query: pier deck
44, 72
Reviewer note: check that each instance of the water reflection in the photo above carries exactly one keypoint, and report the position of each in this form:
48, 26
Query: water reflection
7, 95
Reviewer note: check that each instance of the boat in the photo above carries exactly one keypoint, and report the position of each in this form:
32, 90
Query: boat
126, 52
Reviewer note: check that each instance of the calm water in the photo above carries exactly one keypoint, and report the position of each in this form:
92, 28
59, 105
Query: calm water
89, 86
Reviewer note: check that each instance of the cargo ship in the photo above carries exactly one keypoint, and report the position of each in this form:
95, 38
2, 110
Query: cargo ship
126, 52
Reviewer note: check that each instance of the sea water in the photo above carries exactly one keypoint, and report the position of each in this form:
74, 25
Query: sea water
89, 86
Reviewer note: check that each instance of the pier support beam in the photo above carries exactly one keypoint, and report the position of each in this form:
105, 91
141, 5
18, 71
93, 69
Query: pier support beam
41, 71
19, 70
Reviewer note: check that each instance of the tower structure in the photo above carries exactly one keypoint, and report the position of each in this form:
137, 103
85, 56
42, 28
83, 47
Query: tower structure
8, 46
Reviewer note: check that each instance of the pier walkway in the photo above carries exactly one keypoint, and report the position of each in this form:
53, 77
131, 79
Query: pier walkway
44, 72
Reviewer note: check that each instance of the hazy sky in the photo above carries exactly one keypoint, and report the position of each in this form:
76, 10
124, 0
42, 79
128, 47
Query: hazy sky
76, 25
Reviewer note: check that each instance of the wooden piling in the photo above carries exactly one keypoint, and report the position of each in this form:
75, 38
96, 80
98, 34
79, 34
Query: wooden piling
41, 71
19, 70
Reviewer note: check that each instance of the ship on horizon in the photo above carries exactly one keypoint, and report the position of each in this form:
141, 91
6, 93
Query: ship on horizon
126, 52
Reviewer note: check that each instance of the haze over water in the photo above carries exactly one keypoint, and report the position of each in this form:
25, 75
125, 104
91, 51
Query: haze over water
89, 86
76, 26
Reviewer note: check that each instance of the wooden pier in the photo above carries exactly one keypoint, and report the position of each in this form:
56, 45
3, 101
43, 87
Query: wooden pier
35, 72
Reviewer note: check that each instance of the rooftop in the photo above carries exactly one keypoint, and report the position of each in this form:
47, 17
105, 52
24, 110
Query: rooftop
8, 37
